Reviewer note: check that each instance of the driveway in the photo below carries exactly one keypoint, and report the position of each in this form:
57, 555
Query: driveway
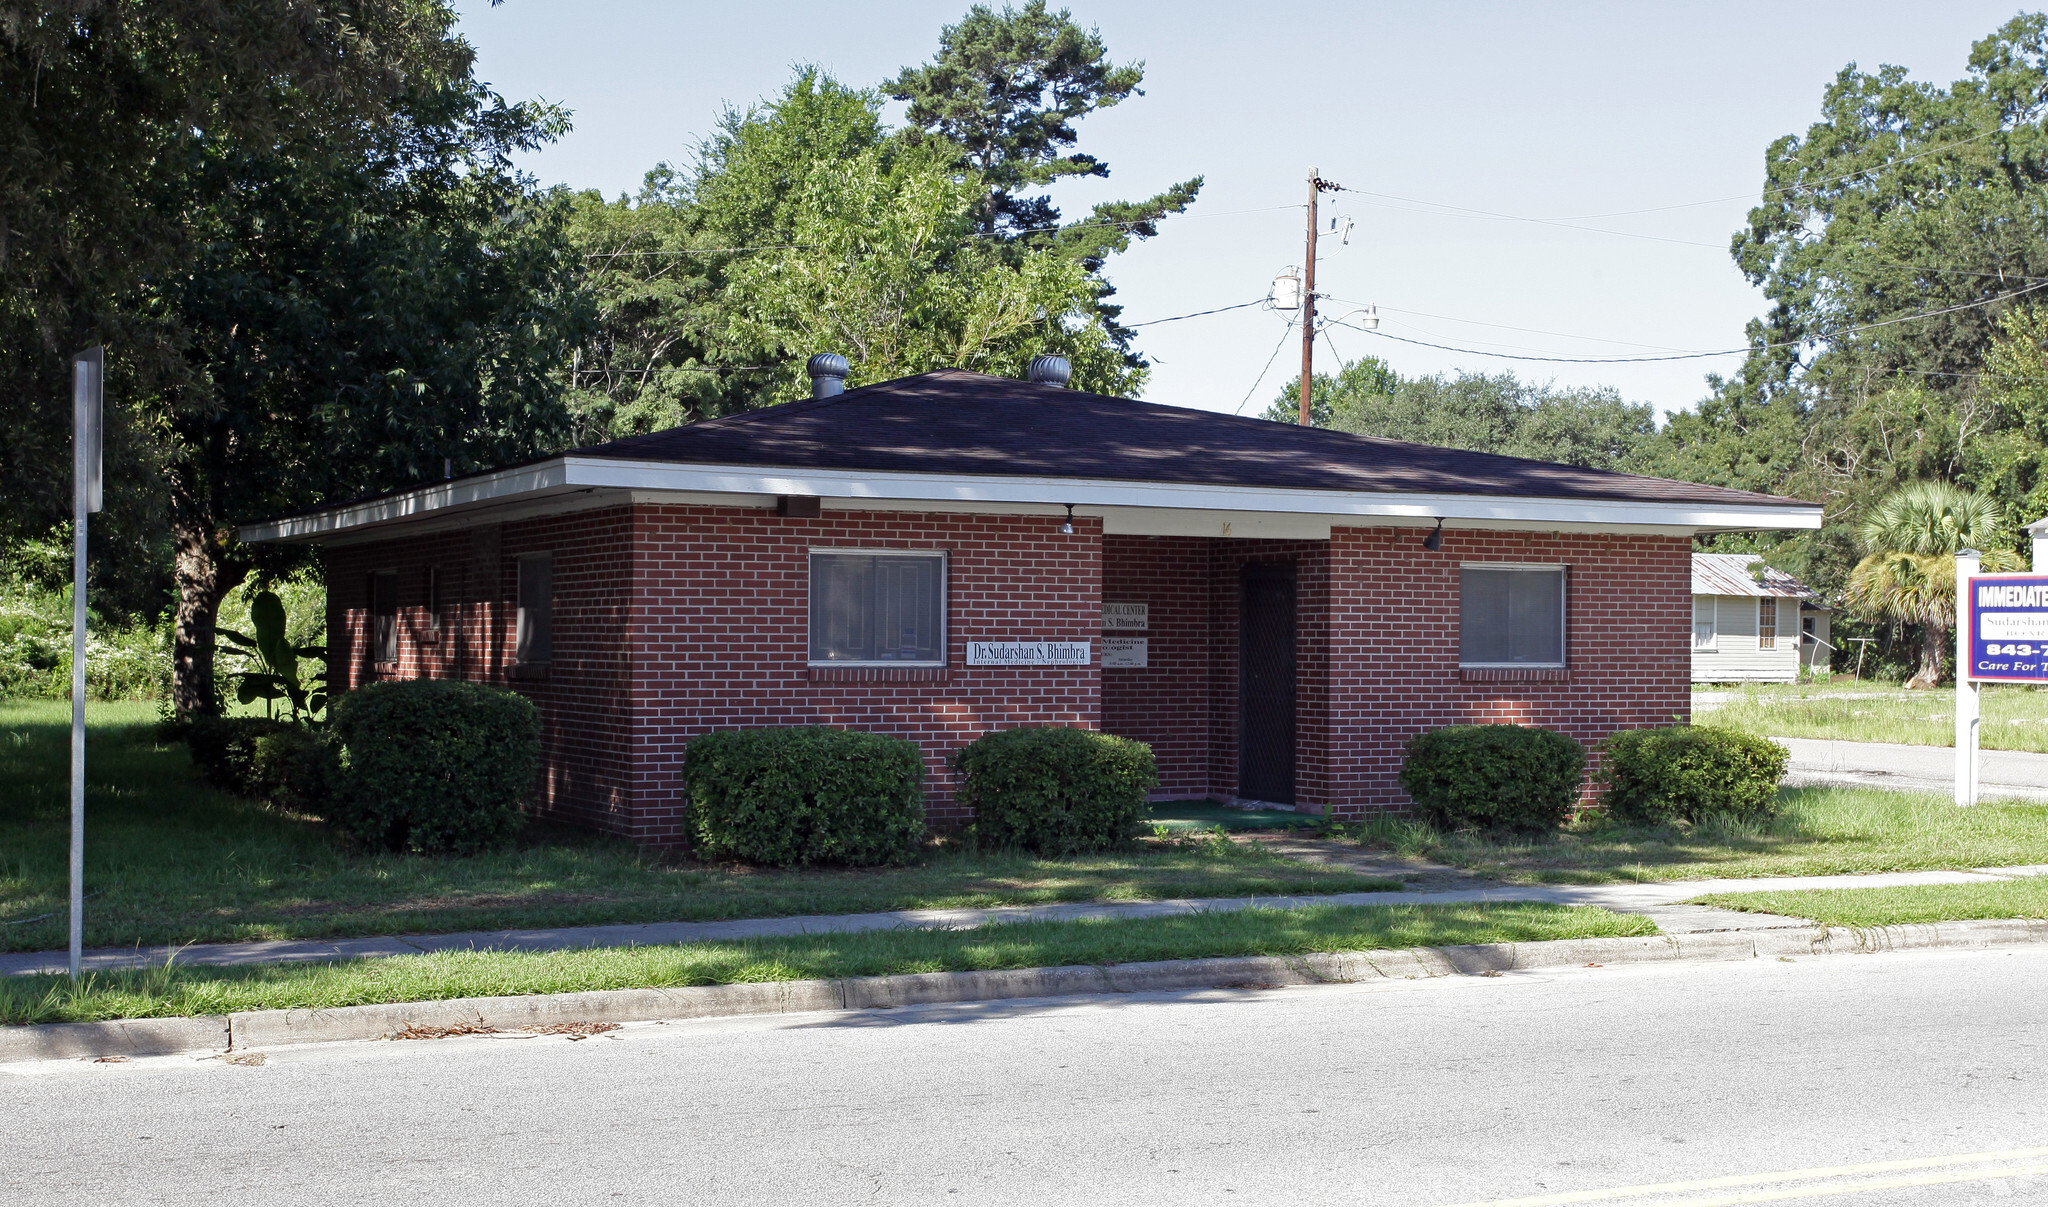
1911, 768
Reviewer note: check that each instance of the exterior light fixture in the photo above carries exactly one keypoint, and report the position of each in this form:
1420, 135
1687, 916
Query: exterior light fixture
1067, 528
1435, 540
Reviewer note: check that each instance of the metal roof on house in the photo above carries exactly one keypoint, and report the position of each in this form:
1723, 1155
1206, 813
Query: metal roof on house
956, 422
1732, 574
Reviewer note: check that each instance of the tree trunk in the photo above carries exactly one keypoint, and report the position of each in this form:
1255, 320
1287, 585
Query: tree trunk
202, 580
1933, 641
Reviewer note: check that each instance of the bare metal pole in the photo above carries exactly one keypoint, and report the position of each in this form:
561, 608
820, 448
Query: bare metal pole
87, 370
1308, 301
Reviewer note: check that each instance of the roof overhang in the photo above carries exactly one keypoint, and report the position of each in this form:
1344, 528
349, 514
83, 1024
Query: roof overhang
571, 482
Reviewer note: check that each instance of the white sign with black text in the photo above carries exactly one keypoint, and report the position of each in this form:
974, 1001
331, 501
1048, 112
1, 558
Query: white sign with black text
1028, 653
1126, 616
1125, 652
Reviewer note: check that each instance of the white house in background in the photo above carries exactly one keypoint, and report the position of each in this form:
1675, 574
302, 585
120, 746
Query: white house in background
1752, 623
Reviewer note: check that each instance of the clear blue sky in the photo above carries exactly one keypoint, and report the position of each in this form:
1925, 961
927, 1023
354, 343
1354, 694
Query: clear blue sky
1543, 110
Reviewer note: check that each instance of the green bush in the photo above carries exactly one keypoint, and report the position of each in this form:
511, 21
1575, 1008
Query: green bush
224, 750
297, 768
436, 766
805, 794
1689, 773
1512, 778
1055, 791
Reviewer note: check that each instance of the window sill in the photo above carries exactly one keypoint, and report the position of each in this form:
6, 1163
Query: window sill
384, 670
1515, 674
877, 674
528, 670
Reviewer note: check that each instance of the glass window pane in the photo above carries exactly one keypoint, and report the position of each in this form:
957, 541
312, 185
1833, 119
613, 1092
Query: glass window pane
840, 587
384, 616
536, 639
876, 608
1511, 616
1535, 613
1483, 615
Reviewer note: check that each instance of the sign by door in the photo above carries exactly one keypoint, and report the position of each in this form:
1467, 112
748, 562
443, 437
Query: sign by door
1125, 653
2008, 628
1028, 653
1126, 616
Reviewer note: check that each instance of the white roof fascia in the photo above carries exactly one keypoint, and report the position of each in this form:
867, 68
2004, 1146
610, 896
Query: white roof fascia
844, 486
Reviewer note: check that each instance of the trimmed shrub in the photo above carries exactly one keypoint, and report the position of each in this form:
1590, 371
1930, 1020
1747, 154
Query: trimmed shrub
805, 794
1688, 773
435, 766
1055, 791
1515, 778
224, 750
297, 768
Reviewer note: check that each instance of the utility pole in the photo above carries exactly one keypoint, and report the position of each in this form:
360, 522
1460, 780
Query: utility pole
1316, 187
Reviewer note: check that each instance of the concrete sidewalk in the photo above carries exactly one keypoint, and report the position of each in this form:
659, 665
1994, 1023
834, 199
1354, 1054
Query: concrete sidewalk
1658, 902
1911, 768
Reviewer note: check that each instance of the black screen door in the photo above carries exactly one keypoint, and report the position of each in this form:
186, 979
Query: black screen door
1265, 682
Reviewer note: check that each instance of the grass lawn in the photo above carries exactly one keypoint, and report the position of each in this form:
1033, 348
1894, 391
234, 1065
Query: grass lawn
182, 990
1820, 832
171, 861
2015, 717
2022, 898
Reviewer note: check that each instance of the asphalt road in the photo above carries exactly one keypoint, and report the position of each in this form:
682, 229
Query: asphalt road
1451, 1091
1912, 768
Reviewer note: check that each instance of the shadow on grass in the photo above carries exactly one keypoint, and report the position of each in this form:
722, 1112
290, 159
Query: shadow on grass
172, 861
1819, 831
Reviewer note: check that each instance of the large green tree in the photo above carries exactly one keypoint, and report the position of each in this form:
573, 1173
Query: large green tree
805, 225
101, 106
1493, 413
365, 304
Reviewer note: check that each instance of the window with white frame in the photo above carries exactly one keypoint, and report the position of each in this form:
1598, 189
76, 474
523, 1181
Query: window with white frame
1767, 624
878, 606
1705, 623
1511, 615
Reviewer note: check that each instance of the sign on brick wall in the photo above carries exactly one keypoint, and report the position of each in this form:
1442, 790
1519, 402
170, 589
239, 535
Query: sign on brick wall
1126, 616
1125, 653
1028, 653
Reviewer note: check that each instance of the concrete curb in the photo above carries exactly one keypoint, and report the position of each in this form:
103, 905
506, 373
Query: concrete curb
280, 1028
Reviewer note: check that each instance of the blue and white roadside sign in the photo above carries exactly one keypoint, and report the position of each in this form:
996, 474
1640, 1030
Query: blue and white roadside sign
2008, 628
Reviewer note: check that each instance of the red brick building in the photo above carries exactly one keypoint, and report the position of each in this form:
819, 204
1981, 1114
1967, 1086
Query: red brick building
1275, 609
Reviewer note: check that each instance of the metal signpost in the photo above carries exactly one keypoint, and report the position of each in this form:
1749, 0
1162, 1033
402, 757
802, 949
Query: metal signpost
2001, 637
88, 375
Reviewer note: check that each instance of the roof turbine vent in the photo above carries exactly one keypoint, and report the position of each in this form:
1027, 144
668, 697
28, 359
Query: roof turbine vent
1049, 370
828, 372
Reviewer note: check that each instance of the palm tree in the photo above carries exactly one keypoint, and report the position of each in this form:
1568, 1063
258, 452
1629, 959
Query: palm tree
1913, 535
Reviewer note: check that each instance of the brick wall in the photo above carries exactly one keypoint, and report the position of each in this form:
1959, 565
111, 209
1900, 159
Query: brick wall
672, 621
721, 607
1394, 645
1168, 703
584, 692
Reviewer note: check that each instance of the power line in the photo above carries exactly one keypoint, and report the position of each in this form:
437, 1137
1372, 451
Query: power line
1268, 369
1630, 360
1197, 314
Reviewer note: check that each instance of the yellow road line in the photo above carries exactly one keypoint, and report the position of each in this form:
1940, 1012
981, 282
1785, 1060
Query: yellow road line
1794, 1175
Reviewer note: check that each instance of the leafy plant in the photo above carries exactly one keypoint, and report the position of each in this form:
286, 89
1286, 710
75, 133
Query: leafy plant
1055, 791
805, 794
1515, 778
1693, 773
278, 678
434, 766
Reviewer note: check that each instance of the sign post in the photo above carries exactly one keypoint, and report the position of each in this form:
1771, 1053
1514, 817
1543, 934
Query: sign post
1969, 704
88, 374
2001, 637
